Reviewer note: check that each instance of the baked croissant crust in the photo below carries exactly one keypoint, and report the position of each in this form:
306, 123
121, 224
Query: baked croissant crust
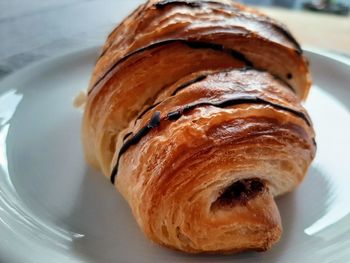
194, 113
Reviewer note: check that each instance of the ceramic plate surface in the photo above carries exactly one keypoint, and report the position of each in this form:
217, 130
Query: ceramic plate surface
54, 208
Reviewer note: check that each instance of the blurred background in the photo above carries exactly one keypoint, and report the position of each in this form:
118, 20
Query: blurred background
294, 4
31, 30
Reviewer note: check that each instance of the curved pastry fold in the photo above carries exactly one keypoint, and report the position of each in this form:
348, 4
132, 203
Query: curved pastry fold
265, 42
194, 113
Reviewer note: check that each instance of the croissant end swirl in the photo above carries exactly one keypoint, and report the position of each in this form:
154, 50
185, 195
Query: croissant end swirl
194, 113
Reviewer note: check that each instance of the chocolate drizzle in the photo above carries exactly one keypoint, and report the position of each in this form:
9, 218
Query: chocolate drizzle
182, 86
175, 115
146, 110
192, 44
126, 136
197, 4
153, 123
263, 19
165, 3
203, 77
282, 29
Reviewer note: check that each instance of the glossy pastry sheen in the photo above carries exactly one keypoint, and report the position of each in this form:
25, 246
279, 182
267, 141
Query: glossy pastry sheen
194, 113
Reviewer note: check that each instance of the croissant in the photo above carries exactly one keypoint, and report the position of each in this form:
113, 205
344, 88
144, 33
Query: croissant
194, 113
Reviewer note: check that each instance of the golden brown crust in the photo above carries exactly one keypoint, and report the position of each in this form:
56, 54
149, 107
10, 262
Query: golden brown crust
210, 21
121, 97
192, 111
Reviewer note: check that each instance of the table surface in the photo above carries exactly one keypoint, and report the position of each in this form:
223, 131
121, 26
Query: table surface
32, 30
330, 32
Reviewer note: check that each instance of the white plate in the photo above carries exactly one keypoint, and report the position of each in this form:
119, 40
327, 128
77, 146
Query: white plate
54, 208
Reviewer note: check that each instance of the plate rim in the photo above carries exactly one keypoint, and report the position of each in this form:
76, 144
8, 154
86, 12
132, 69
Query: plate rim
97, 48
